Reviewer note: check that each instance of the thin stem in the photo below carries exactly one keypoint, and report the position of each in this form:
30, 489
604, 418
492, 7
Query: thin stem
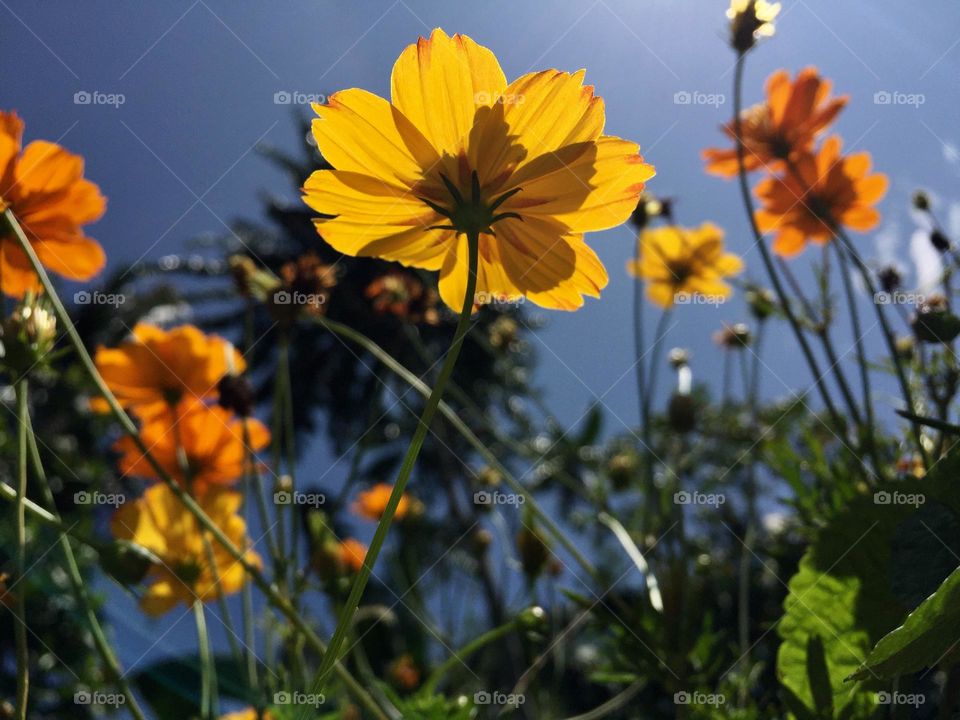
888, 336
765, 252
130, 428
658, 336
459, 656
208, 672
461, 427
861, 360
363, 576
613, 704
20, 627
114, 670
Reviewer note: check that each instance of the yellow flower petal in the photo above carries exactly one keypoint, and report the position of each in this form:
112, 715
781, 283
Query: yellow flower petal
439, 83
587, 186
360, 132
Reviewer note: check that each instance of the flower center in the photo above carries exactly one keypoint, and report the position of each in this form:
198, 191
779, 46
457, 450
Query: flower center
473, 215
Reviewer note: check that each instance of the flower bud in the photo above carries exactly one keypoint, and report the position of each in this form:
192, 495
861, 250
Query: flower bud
921, 201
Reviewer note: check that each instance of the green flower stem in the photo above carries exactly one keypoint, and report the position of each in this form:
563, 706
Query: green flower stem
870, 438
887, 335
20, 603
615, 703
79, 589
765, 252
429, 410
289, 446
265, 586
208, 670
459, 656
187, 472
461, 427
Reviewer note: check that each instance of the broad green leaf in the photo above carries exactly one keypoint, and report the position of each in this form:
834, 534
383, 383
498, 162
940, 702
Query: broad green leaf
839, 605
929, 634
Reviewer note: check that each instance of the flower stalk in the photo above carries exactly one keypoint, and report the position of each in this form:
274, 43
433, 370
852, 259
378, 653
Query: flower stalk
426, 417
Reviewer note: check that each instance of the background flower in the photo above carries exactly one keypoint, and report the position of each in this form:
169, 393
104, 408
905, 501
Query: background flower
675, 260
44, 187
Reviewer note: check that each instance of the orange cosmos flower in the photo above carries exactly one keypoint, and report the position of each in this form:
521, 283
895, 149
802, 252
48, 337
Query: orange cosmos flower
818, 194
682, 263
212, 441
44, 187
159, 522
794, 114
352, 554
371, 503
526, 163
155, 368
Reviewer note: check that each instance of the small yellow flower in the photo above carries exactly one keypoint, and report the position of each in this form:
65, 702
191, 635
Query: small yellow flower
159, 522
526, 164
751, 20
680, 262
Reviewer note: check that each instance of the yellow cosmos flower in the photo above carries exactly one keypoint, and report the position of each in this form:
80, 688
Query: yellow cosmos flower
159, 522
683, 264
457, 149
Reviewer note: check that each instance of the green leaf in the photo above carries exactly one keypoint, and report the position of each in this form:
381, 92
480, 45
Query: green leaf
929, 633
839, 605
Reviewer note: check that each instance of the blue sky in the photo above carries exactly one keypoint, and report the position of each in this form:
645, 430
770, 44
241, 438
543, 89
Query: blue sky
198, 79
